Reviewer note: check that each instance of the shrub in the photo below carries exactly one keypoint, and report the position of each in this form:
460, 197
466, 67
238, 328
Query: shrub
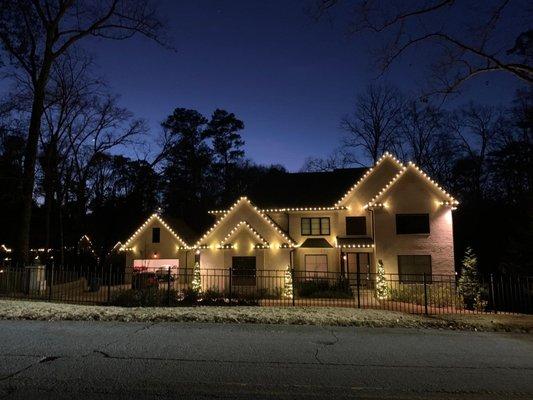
149, 297
322, 288
438, 295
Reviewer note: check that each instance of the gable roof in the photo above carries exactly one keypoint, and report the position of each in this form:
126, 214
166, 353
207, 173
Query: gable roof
450, 200
245, 225
385, 156
303, 189
170, 228
265, 217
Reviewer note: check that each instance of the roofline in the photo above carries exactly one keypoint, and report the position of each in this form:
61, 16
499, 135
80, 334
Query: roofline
259, 212
385, 156
141, 228
453, 203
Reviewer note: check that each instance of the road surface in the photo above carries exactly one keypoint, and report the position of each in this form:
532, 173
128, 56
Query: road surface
103, 360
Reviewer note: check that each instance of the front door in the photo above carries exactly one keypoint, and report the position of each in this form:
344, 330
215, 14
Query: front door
358, 266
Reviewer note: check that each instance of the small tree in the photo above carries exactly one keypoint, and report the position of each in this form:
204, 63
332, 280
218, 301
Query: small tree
196, 284
382, 288
469, 285
287, 288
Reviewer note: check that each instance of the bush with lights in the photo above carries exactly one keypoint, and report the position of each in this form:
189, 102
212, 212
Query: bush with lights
469, 284
287, 288
382, 288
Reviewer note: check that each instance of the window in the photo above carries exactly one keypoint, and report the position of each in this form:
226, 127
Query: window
412, 268
356, 225
316, 265
156, 235
244, 271
315, 226
412, 223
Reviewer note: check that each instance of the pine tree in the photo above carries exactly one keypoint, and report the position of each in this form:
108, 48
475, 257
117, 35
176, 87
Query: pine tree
382, 288
469, 284
196, 284
287, 288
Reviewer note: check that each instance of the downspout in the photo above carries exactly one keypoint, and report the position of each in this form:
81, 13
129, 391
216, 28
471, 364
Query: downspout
373, 221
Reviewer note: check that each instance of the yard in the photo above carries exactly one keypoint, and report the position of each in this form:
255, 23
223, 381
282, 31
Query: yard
327, 316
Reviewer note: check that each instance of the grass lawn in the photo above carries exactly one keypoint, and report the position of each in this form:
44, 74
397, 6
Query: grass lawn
33, 310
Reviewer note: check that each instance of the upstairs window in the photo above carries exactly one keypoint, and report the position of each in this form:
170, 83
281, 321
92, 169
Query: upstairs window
412, 223
315, 226
156, 235
356, 225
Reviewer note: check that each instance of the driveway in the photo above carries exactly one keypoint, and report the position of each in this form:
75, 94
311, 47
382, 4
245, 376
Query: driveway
105, 360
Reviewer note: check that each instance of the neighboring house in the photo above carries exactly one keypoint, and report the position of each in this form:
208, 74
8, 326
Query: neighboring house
320, 223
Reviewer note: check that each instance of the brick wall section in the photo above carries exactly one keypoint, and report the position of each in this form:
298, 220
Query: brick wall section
411, 194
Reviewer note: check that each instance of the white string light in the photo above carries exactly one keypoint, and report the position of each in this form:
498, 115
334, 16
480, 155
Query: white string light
125, 246
257, 210
239, 226
385, 155
372, 203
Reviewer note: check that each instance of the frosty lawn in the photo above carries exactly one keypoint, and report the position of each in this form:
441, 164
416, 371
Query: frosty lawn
263, 315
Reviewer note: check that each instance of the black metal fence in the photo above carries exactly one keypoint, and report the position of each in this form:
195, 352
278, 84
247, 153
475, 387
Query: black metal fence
429, 294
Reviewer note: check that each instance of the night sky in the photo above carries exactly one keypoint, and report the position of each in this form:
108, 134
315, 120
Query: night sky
287, 77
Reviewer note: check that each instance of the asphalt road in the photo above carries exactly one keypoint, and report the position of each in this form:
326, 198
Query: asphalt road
102, 360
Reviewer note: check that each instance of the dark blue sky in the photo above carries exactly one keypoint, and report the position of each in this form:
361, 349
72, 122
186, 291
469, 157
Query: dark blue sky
287, 77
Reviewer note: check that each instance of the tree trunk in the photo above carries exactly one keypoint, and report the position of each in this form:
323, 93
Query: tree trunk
28, 175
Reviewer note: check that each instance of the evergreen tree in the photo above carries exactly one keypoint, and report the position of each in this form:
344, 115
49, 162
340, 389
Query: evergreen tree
469, 285
223, 129
287, 287
382, 288
196, 284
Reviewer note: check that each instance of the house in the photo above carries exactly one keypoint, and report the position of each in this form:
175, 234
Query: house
337, 223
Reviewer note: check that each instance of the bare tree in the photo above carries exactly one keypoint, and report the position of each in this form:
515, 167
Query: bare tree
339, 158
462, 39
34, 34
373, 127
477, 129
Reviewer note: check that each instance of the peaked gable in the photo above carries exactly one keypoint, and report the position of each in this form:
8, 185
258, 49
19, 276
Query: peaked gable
243, 225
447, 199
364, 186
244, 202
152, 218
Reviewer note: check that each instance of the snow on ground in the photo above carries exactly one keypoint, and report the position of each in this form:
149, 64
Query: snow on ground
16, 309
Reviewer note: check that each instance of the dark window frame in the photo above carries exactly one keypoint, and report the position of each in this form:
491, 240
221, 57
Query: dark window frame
156, 236
417, 277
401, 228
359, 217
321, 229
238, 278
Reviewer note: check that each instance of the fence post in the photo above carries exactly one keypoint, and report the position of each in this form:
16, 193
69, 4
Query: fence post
358, 282
230, 284
109, 284
293, 291
492, 296
168, 286
425, 295
51, 282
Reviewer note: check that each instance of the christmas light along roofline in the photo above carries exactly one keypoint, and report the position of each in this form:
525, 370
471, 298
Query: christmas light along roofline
367, 174
411, 166
288, 209
257, 210
145, 224
239, 226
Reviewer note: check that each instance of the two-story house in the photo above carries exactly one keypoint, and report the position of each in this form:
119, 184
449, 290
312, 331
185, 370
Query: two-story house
319, 223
